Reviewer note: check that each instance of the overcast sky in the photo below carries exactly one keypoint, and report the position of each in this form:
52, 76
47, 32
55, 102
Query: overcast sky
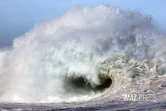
19, 16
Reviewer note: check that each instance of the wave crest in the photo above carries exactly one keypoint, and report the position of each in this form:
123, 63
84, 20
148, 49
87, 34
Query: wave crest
68, 52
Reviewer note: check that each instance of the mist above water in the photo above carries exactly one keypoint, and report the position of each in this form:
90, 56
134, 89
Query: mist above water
34, 70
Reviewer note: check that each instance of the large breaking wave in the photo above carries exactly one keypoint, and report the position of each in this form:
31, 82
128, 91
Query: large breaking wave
86, 53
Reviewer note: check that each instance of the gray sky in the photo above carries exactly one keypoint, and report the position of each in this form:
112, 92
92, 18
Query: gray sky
19, 16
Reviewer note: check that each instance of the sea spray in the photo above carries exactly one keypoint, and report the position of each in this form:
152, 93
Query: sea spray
73, 45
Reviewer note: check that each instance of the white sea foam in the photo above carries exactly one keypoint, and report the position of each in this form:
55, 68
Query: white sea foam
72, 45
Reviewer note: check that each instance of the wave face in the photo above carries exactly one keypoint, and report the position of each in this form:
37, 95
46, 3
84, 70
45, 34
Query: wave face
71, 56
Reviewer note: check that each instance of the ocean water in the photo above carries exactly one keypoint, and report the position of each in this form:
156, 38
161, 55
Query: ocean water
89, 58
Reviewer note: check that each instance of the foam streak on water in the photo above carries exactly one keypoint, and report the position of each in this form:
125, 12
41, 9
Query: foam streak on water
44, 63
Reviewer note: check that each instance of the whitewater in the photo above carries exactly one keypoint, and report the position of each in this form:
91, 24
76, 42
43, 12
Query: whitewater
88, 54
